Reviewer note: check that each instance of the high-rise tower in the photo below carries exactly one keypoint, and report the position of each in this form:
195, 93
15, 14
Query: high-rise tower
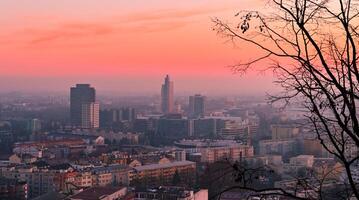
167, 104
82, 105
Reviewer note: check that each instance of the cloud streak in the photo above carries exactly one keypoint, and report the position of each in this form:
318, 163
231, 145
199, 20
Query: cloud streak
68, 31
138, 23
74, 31
171, 14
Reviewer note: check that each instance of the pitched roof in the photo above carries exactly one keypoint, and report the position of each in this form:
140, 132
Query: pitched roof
95, 193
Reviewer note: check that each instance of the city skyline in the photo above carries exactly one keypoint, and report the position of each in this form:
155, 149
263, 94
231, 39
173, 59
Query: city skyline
180, 100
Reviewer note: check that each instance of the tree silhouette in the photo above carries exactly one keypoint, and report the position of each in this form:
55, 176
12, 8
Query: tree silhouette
176, 179
311, 47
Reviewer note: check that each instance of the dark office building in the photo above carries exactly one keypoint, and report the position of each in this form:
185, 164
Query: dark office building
80, 95
197, 106
6, 137
128, 114
205, 127
141, 125
174, 128
110, 118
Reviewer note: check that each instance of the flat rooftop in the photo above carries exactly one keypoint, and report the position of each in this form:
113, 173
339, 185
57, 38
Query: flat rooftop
165, 165
206, 143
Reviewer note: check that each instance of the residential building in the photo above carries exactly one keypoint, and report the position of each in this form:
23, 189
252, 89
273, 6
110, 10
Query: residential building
79, 95
284, 147
114, 174
233, 153
162, 174
39, 181
13, 189
84, 179
90, 117
303, 160
284, 131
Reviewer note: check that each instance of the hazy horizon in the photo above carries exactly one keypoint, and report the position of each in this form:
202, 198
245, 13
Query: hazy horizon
232, 86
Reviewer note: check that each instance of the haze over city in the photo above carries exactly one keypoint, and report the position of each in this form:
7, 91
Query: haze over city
179, 100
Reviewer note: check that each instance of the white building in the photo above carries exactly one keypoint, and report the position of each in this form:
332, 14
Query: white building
90, 113
235, 152
27, 149
303, 160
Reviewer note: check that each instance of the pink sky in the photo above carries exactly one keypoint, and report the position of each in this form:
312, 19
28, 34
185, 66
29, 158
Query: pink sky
122, 46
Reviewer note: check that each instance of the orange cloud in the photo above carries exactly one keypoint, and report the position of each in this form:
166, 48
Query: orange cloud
72, 31
68, 31
142, 22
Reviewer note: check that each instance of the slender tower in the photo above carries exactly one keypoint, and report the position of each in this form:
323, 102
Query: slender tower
167, 104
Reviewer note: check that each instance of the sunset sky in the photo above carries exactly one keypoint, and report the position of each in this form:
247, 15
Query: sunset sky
122, 46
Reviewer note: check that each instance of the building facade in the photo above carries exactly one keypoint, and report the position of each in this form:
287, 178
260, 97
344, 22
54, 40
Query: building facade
90, 115
162, 174
167, 101
233, 153
79, 95
197, 106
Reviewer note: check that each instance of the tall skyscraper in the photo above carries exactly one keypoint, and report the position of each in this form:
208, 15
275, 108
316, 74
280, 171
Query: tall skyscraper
167, 104
197, 106
81, 95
